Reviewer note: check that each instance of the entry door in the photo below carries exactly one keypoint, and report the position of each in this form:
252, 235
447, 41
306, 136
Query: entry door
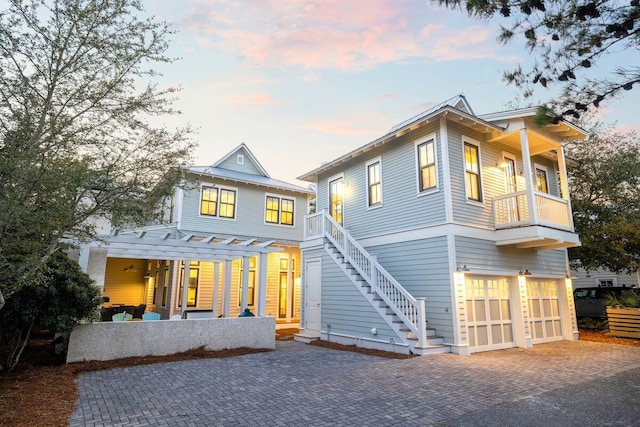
313, 292
544, 310
489, 320
511, 187
336, 187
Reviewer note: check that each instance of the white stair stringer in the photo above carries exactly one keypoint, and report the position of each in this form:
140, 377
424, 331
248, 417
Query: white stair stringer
433, 345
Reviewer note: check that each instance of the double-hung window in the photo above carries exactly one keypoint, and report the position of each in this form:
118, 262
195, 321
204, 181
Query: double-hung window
374, 183
220, 202
279, 210
472, 172
426, 165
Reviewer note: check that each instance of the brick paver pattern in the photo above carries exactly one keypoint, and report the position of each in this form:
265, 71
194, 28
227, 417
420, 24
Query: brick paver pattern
300, 385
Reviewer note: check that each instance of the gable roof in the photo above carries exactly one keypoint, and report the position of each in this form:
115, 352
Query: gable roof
252, 158
456, 106
459, 102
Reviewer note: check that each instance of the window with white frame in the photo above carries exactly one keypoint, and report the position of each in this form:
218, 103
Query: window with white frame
472, 176
374, 183
192, 286
220, 202
251, 286
279, 210
426, 152
542, 180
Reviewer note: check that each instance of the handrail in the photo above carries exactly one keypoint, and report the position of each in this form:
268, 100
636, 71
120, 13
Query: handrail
409, 309
511, 210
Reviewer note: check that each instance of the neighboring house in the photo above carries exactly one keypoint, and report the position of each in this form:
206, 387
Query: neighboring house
216, 230
604, 278
448, 233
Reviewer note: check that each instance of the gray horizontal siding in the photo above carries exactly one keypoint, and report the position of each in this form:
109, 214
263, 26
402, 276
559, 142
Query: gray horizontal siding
486, 255
422, 268
250, 213
401, 207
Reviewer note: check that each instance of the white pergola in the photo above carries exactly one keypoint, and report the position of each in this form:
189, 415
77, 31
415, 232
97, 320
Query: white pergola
198, 248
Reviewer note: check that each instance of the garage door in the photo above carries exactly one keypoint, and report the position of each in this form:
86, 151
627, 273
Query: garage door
544, 312
489, 319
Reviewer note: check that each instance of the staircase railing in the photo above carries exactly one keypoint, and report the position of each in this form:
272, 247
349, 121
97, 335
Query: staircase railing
409, 309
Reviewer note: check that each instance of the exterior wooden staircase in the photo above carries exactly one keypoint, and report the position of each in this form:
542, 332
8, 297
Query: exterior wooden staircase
404, 314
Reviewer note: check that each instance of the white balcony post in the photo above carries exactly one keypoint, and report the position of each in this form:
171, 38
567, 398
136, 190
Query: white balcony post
528, 176
564, 187
228, 265
216, 288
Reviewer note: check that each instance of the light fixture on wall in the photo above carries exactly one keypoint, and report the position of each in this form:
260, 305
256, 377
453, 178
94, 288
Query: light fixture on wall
524, 273
502, 164
463, 269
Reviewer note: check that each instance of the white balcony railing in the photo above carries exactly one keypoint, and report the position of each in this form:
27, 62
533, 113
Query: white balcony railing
512, 210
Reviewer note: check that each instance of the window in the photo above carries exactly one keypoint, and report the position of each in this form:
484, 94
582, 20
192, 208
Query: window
472, 172
227, 203
426, 165
279, 210
209, 203
251, 291
542, 183
374, 183
335, 199
240, 159
165, 283
192, 287
218, 202
606, 283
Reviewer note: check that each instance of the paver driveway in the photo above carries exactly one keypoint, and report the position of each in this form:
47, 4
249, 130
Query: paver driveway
563, 383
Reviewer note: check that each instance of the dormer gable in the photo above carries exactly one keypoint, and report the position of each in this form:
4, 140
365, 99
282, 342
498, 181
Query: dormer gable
241, 159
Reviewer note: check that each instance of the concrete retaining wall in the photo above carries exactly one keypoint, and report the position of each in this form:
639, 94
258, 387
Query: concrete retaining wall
116, 340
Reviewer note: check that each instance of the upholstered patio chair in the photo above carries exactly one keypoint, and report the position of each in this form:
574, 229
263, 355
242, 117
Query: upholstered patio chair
151, 316
121, 317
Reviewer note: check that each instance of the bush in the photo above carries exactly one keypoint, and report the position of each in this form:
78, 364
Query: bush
66, 297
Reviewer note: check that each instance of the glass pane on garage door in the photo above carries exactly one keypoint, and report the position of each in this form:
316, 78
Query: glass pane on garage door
544, 310
489, 323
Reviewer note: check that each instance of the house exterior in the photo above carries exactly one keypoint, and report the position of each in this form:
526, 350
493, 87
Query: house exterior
448, 233
227, 240
602, 278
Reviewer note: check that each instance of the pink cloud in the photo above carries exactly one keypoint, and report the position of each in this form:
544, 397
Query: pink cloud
349, 126
331, 34
251, 100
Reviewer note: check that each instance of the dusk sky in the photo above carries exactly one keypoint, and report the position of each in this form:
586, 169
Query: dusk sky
302, 82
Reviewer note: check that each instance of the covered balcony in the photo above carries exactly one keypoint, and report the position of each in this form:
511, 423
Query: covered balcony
531, 218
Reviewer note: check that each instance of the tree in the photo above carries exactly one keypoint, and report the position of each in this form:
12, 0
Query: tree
570, 38
605, 197
60, 301
77, 98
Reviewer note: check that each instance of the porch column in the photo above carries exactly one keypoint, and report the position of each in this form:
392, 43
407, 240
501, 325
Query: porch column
528, 176
185, 284
564, 187
290, 289
227, 288
245, 282
262, 287
216, 288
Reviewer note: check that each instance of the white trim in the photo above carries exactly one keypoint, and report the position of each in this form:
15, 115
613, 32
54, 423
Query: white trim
446, 170
366, 172
240, 159
179, 194
248, 152
279, 223
416, 143
217, 215
468, 140
510, 156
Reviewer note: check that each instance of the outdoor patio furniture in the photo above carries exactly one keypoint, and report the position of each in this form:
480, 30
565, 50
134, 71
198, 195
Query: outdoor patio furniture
151, 316
121, 317
138, 311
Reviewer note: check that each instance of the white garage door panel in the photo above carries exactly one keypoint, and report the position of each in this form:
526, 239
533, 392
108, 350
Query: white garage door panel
489, 319
544, 310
